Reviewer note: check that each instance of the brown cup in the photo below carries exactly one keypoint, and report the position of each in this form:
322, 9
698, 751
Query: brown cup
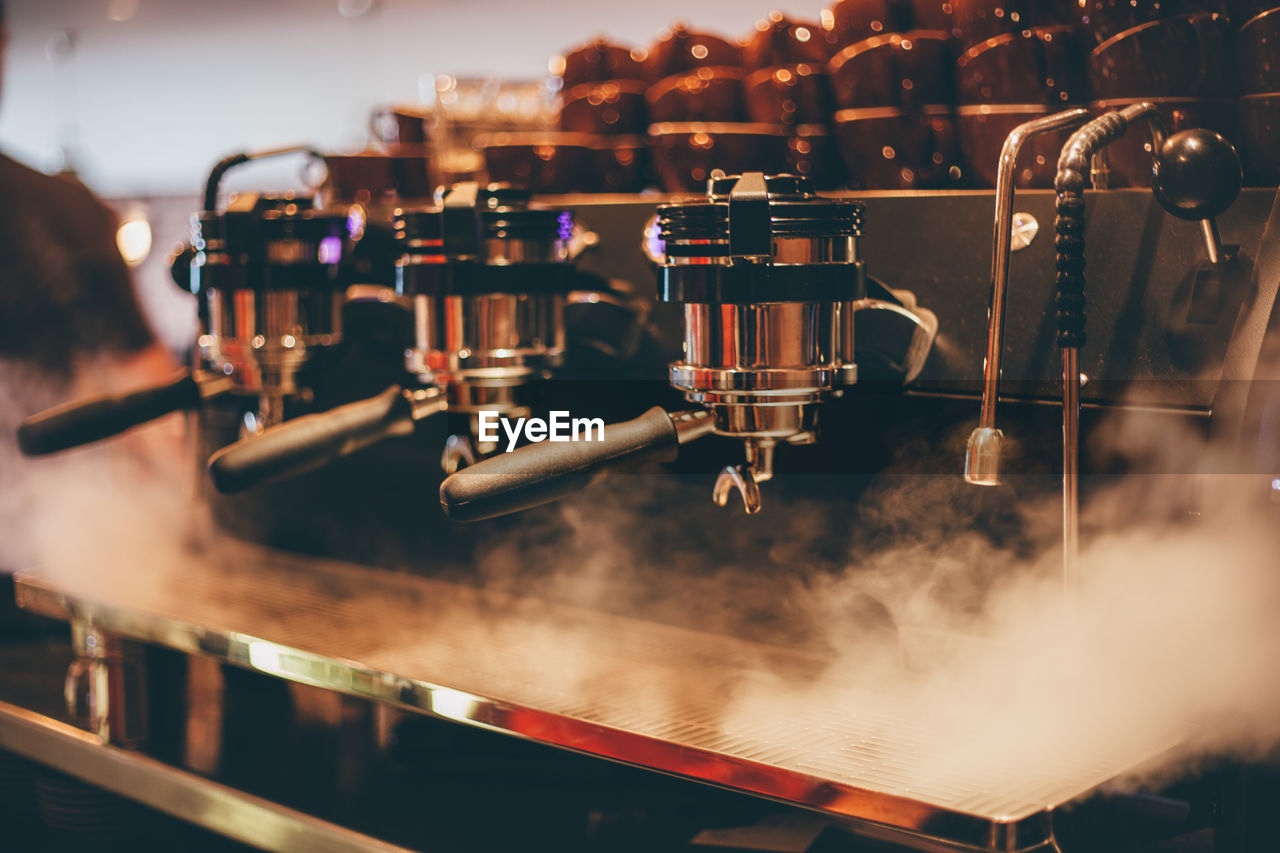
852, 21
687, 154
1242, 11
1041, 65
1258, 53
705, 94
1101, 20
975, 21
613, 108
363, 177
790, 95
552, 163
398, 125
931, 15
596, 62
906, 69
982, 130
1258, 123
812, 152
681, 50
779, 40
411, 169
620, 165
1129, 158
890, 148
1172, 58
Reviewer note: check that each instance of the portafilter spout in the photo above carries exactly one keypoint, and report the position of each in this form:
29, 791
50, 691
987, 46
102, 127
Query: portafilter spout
982, 457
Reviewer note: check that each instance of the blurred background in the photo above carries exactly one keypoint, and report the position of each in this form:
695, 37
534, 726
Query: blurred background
141, 97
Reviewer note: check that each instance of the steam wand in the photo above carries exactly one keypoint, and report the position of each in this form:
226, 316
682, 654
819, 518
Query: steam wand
1196, 176
982, 457
227, 163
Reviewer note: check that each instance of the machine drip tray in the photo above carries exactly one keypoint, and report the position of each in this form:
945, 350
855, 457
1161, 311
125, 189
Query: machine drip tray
701, 706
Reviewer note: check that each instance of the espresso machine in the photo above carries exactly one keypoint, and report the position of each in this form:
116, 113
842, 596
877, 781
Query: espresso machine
267, 273
770, 281
488, 274
782, 334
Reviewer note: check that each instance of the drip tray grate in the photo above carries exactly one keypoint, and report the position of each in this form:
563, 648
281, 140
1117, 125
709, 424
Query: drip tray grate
703, 706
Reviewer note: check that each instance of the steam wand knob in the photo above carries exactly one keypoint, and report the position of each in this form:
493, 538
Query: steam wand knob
1197, 176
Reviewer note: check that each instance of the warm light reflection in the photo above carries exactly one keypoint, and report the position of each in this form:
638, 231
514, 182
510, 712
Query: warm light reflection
122, 10
453, 704
133, 238
264, 656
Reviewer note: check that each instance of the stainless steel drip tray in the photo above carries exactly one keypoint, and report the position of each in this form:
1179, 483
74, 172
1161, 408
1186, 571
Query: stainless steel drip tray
701, 706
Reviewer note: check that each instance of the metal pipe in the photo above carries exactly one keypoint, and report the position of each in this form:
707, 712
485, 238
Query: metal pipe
982, 459
1212, 240
1070, 468
224, 165
1081, 149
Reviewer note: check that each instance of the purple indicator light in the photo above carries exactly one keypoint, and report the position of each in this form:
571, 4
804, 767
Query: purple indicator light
330, 250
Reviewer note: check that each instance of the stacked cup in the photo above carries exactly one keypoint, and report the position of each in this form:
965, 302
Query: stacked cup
891, 79
1258, 118
698, 109
599, 146
787, 85
402, 161
1016, 61
603, 96
1173, 53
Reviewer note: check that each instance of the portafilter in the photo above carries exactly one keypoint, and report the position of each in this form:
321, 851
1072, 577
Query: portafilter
266, 272
488, 273
770, 279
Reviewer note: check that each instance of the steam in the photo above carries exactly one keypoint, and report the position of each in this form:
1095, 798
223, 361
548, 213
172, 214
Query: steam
1167, 655
93, 515
892, 609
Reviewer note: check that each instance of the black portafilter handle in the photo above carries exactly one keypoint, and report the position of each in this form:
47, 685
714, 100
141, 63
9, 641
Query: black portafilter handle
92, 419
538, 474
311, 441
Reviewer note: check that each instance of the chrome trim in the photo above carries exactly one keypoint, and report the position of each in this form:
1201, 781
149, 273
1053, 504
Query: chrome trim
647, 694
504, 251
787, 251
114, 674
1071, 469
224, 810
261, 339
491, 340
985, 472
763, 367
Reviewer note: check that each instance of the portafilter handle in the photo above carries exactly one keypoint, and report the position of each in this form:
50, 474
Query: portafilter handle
91, 419
538, 474
312, 441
